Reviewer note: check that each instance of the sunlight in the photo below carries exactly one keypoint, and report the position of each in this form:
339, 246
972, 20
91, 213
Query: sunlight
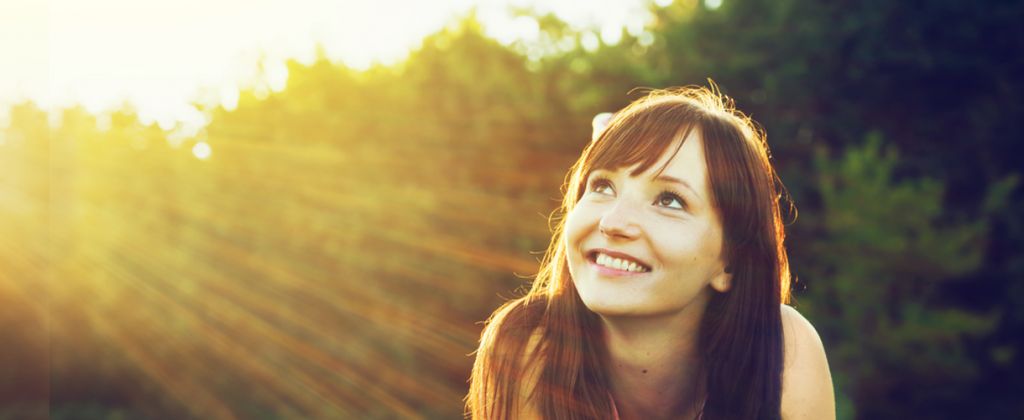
229, 98
611, 35
277, 76
201, 150
508, 29
168, 67
288, 265
590, 41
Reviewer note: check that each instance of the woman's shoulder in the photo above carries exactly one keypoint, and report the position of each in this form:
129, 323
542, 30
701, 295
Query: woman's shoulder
806, 382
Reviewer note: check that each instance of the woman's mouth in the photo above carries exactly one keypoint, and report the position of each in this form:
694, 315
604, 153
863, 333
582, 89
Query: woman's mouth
616, 264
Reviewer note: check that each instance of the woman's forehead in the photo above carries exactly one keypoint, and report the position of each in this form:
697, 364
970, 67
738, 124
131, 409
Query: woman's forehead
679, 161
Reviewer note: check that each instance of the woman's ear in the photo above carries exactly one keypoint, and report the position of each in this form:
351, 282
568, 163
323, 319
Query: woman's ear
723, 281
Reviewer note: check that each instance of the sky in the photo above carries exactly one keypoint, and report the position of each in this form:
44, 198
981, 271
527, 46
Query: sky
161, 56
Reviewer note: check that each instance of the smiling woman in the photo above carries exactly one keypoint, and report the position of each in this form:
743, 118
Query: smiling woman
663, 292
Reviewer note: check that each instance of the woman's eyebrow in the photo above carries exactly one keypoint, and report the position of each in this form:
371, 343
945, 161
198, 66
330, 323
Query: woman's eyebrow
674, 180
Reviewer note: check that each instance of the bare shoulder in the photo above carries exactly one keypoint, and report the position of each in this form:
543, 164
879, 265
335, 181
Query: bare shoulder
807, 391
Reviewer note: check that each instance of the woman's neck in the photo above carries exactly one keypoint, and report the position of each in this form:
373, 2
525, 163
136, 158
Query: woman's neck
653, 364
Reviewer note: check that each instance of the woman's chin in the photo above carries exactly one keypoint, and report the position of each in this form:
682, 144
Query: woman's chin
612, 306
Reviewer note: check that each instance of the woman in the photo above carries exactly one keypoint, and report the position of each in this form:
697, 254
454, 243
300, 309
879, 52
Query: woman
662, 293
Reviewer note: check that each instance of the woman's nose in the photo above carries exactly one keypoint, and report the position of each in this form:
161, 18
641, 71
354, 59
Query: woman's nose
620, 221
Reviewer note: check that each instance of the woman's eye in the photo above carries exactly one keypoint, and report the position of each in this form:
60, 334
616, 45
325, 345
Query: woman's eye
670, 200
601, 186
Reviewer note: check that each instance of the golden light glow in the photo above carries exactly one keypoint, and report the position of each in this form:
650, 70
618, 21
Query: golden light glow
323, 264
64, 52
201, 150
275, 276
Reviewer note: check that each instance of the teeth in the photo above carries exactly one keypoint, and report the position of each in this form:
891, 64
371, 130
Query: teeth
619, 264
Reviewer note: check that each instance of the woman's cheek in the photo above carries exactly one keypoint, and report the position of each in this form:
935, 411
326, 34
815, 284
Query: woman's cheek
572, 229
671, 239
577, 218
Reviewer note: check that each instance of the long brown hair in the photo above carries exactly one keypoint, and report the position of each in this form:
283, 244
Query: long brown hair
740, 336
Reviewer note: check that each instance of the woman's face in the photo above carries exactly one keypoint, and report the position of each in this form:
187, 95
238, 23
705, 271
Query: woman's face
648, 244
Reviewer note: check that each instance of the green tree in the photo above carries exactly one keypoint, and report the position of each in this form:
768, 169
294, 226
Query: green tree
875, 275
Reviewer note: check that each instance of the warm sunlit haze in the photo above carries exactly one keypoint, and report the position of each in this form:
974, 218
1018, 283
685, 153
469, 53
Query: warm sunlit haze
260, 210
161, 56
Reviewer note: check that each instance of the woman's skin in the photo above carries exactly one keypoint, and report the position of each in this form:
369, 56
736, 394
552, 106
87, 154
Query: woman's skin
665, 224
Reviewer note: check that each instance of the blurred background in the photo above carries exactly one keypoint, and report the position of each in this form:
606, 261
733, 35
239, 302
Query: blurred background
252, 210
